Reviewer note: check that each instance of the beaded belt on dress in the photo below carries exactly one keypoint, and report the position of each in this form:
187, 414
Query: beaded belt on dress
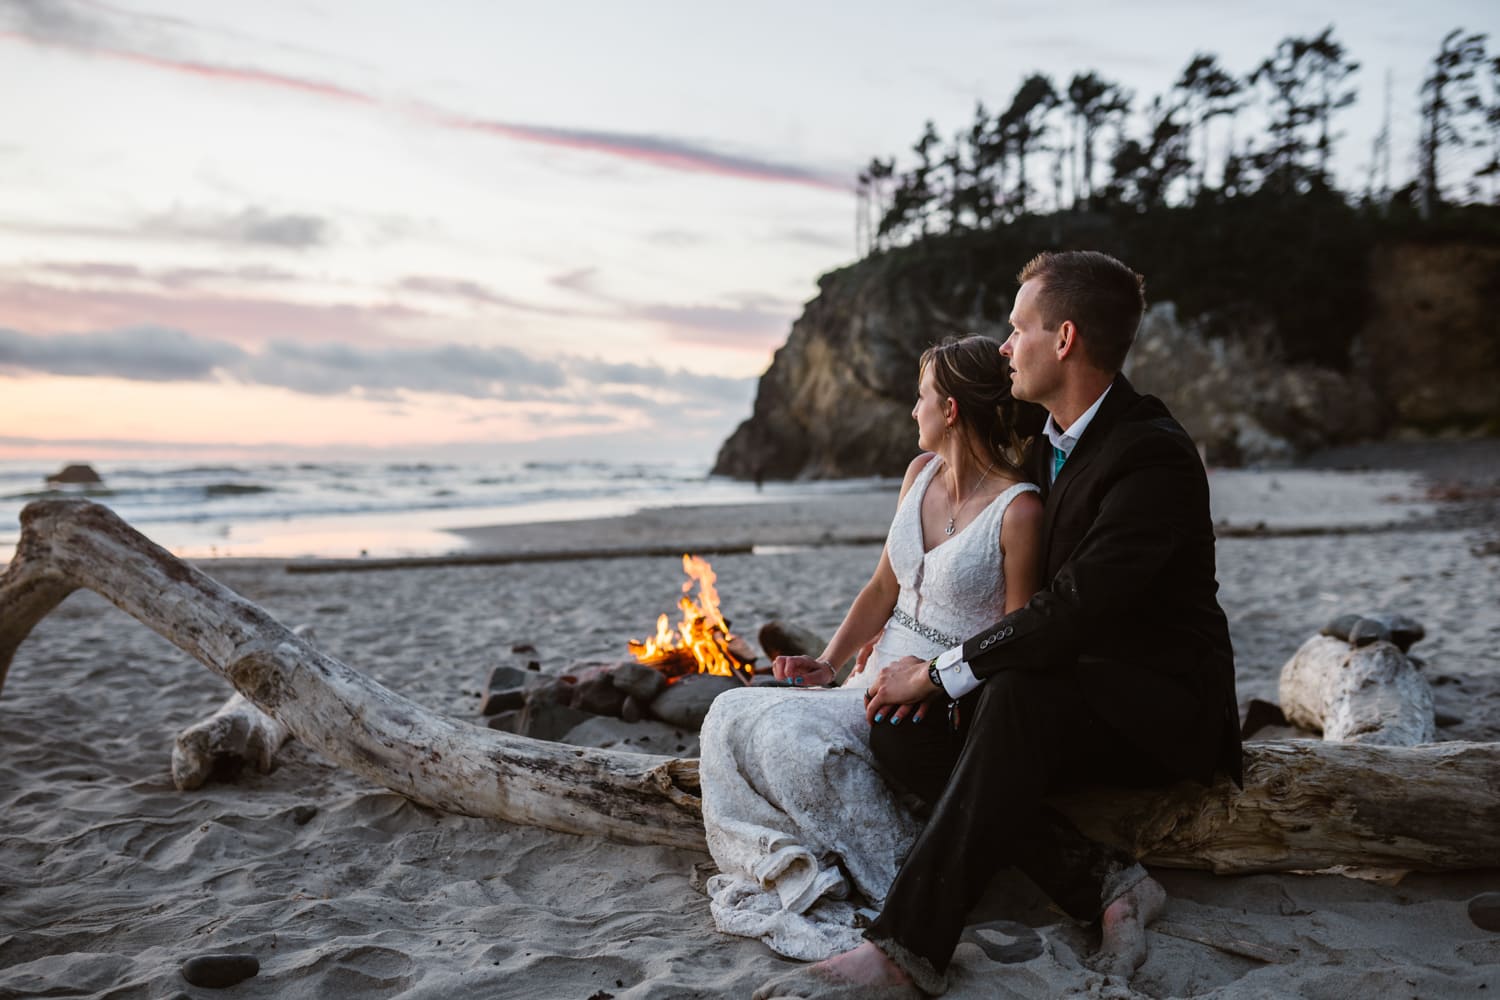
925, 631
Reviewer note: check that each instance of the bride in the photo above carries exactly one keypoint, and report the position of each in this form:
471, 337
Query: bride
802, 827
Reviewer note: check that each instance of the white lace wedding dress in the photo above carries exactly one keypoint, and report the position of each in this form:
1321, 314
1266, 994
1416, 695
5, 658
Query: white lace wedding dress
802, 827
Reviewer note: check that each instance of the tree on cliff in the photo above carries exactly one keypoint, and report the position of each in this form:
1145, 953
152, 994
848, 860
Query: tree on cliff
1093, 103
1450, 97
1145, 169
1207, 91
1024, 124
1303, 81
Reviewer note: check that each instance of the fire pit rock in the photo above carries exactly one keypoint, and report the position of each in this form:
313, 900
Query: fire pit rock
686, 702
639, 681
647, 736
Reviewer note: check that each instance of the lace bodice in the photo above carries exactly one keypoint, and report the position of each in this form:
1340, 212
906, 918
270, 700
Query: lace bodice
958, 587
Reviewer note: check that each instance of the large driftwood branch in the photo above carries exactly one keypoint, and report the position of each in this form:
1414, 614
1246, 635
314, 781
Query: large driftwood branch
1305, 805
1364, 694
449, 765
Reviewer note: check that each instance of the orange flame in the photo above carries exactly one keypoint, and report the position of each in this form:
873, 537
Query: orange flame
702, 632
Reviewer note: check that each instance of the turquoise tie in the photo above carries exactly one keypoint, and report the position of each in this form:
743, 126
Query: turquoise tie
1058, 458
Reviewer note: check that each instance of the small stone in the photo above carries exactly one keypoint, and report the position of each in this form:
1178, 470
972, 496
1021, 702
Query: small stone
631, 710
215, 972
1340, 627
302, 815
686, 702
504, 677
1368, 630
496, 702
641, 682
779, 638
523, 648
545, 720
1484, 910
506, 722
598, 695
1446, 720
1258, 715
1005, 941
1404, 631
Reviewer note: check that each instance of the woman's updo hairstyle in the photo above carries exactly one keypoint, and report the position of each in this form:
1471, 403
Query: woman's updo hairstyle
972, 372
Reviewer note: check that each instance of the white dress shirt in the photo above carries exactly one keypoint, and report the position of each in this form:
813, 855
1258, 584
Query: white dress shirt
953, 670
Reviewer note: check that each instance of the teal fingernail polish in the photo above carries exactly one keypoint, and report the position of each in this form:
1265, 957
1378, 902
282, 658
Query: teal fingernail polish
895, 720
879, 718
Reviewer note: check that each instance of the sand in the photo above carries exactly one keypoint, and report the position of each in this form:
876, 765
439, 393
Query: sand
109, 877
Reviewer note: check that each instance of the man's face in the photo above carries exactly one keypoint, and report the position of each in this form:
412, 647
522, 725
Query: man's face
1035, 370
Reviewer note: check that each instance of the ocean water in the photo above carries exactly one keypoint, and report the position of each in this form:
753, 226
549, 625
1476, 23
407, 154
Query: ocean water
339, 509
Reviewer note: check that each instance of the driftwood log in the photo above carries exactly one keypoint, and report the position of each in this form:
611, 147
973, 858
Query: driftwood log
338, 711
1305, 805
1358, 694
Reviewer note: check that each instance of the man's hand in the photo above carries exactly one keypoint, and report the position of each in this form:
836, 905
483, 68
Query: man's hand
801, 671
899, 692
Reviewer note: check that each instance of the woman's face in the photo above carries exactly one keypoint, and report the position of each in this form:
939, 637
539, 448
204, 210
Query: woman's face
930, 413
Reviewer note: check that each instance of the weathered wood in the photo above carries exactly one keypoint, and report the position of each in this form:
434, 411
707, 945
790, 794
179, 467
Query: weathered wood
1313, 804
342, 713
236, 735
1369, 694
1306, 804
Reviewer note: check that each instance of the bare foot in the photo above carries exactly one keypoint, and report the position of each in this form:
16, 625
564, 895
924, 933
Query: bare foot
866, 965
864, 972
1123, 947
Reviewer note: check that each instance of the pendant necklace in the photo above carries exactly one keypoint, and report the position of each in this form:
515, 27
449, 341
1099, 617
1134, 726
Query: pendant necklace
954, 511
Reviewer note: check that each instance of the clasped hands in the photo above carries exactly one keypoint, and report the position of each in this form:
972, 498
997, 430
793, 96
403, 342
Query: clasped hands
901, 691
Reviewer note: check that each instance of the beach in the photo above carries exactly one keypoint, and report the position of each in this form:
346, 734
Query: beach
110, 877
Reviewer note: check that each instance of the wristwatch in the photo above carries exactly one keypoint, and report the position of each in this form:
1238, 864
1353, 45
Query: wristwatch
932, 675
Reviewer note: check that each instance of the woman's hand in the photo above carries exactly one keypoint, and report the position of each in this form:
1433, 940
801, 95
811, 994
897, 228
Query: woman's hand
802, 671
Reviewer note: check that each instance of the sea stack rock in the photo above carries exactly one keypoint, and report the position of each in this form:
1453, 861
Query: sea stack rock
75, 475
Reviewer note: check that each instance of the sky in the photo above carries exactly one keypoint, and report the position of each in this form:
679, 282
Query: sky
493, 230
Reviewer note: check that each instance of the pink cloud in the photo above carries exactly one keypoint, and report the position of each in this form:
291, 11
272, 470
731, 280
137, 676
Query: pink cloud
659, 151
44, 308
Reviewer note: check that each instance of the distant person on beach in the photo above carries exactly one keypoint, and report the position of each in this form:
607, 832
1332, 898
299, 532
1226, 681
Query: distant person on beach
1118, 671
793, 806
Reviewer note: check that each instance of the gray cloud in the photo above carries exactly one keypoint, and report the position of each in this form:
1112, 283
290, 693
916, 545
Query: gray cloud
751, 321
54, 21
676, 238
146, 354
473, 292
153, 354
171, 277
253, 225
332, 369
815, 238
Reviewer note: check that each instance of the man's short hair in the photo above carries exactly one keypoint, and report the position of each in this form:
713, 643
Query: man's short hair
1104, 299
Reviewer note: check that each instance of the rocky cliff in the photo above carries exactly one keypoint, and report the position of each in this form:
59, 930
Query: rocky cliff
836, 400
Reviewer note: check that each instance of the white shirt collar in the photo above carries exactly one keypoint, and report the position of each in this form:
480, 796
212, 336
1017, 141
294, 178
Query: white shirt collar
1066, 440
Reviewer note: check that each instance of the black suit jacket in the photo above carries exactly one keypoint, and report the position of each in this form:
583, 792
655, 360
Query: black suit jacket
1128, 550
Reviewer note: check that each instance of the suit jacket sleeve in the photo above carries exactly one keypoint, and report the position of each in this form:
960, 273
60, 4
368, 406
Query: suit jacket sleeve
1151, 492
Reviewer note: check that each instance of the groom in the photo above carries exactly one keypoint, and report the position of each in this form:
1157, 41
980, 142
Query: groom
1119, 671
